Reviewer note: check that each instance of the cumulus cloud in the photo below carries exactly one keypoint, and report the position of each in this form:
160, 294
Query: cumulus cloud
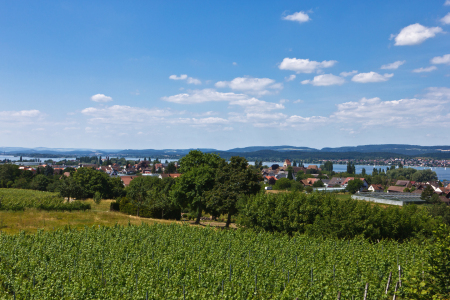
346, 74
256, 105
298, 101
422, 70
371, 77
393, 66
415, 34
181, 77
234, 63
300, 17
189, 80
290, 78
123, 114
260, 86
446, 20
447, 2
101, 98
205, 95
445, 59
325, 80
304, 65
21, 116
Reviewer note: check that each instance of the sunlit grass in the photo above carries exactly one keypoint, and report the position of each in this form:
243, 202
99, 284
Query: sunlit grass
32, 220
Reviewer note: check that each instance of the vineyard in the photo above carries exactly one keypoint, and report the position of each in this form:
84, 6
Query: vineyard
18, 199
183, 262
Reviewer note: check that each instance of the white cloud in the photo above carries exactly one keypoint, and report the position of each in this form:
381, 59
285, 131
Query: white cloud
403, 113
304, 65
438, 93
234, 63
446, 19
22, 116
101, 98
447, 2
393, 66
189, 80
415, 34
181, 77
123, 114
346, 74
282, 101
371, 77
325, 80
422, 70
290, 78
205, 95
195, 81
256, 105
252, 85
298, 101
300, 17
445, 59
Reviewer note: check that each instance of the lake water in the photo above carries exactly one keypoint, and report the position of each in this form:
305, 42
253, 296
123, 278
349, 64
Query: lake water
442, 173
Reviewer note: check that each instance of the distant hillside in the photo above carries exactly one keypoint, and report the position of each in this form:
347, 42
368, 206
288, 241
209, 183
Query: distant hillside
393, 148
259, 152
273, 148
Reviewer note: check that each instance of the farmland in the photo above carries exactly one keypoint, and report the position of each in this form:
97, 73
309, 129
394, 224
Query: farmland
17, 199
176, 261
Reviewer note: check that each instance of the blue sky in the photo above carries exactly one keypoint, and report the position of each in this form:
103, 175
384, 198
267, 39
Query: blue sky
223, 74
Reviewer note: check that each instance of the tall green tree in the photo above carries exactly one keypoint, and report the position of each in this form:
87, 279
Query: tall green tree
138, 192
198, 177
233, 180
290, 175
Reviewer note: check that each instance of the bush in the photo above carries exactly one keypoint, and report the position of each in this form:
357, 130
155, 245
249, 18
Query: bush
282, 184
97, 197
322, 214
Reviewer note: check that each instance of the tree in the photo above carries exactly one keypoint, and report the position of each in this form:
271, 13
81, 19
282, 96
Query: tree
400, 165
328, 166
283, 184
48, 171
70, 188
199, 173
294, 163
354, 185
233, 180
153, 169
97, 197
138, 192
92, 181
363, 172
424, 176
350, 168
427, 193
171, 168
290, 175
39, 182
318, 183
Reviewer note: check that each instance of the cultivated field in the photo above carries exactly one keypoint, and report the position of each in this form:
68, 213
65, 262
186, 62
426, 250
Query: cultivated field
176, 262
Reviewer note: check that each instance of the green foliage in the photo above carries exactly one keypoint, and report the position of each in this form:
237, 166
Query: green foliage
233, 180
412, 174
322, 214
199, 173
163, 261
427, 193
97, 197
16, 200
40, 183
171, 168
318, 183
354, 185
283, 184
328, 166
